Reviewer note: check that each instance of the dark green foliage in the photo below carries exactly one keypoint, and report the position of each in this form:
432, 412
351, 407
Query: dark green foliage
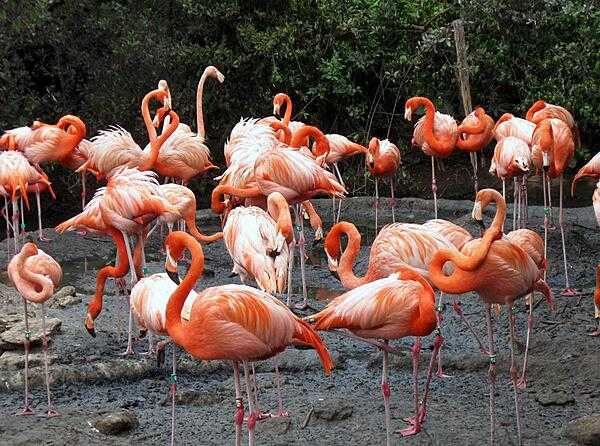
348, 65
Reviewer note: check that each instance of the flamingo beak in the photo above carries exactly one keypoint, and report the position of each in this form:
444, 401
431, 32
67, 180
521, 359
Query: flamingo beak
171, 268
408, 113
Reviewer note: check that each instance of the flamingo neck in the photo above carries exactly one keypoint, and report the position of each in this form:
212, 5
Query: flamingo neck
288, 110
279, 209
145, 108
441, 147
175, 328
193, 228
217, 203
537, 106
349, 255
33, 281
72, 138
149, 159
199, 104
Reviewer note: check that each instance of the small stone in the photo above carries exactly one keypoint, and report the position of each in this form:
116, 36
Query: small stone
554, 398
116, 423
16, 361
65, 297
333, 410
585, 430
14, 337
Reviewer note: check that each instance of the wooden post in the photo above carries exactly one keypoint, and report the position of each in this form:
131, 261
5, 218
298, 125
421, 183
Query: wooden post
462, 74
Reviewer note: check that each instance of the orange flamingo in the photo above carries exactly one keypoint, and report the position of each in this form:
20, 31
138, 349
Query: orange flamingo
383, 160
245, 324
509, 125
35, 275
394, 307
506, 273
541, 110
283, 100
552, 150
435, 133
457, 235
591, 169
258, 242
184, 154
512, 159
116, 148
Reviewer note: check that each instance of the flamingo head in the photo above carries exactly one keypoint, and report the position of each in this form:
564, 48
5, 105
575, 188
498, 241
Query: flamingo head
214, 72
278, 101
521, 163
171, 266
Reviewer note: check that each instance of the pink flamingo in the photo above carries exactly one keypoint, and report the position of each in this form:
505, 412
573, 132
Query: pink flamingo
541, 110
35, 275
394, 307
383, 160
246, 324
509, 125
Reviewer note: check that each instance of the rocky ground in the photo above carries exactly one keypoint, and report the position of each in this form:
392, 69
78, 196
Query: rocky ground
105, 399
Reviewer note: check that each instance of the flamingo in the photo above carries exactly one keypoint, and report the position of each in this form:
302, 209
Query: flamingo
506, 273
591, 169
528, 240
283, 100
231, 322
116, 148
457, 235
512, 158
394, 307
35, 275
184, 155
475, 133
383, 160
149, 298
16, 178
541, 110
552, 150
258, 241
435, 133
509, 125
184, 200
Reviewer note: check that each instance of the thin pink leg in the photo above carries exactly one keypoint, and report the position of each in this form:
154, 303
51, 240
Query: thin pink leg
51, 412
546, 213
292, 250
173, 392
514, 373
39, 210
439, 314
522, 382
434, 186
302, 252
416, 353
238, 418
568, 291
491, 372
281, 412
27, 410
83, 191
458, 310
385, 391
376, 205
253, 416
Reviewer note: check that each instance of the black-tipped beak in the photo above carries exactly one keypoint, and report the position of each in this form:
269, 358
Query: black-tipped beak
91, 331
335, 274
174, 276
143, 332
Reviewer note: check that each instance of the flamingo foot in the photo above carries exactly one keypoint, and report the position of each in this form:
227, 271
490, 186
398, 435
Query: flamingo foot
301, 306
440, 374
81, 232
51, 413
522, 383
570, 292
128, 352
43, 238
595, 333
151, 352
412, 430
282, 413
27, 410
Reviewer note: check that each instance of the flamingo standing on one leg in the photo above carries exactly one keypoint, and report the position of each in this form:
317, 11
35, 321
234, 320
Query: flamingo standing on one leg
395, 307
383, 160
506, 273
512, 158
552, 150
435, 133
541, 110
35, 275
231, 322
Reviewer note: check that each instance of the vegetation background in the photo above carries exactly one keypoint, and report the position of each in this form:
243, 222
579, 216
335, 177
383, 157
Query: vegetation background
348, 65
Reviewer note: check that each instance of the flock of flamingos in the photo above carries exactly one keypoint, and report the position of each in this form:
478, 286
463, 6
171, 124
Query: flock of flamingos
271, 166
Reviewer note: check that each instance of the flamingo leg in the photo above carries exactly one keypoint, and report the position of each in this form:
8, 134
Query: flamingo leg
281, 412
548, 180
153, 229
458, 310
546, 212
292, 250
22, 213
8, 226
504, 189
491, 372
83, 191
385, 391
514, 373
473, 156
255, 392
439, 314
302, 253
333, 209
15, 225
522, 382
27, 410
339, 175
393, 201
376, 204
434, 186
415, 353
515, 202
422, 413
39, 209
568, 291
252, 417
50, 412
238, 418
173, 392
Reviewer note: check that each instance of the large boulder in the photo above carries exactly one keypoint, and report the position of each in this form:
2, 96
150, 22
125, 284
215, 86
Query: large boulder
14, 337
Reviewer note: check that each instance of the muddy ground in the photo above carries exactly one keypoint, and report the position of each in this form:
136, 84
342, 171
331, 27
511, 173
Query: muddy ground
90, 379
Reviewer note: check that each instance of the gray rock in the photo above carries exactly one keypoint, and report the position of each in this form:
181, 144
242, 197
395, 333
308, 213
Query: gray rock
116, 423
14, 337
8, 320
277, 425
585, 430
554, 398
16, 361
65, 297
333, 410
